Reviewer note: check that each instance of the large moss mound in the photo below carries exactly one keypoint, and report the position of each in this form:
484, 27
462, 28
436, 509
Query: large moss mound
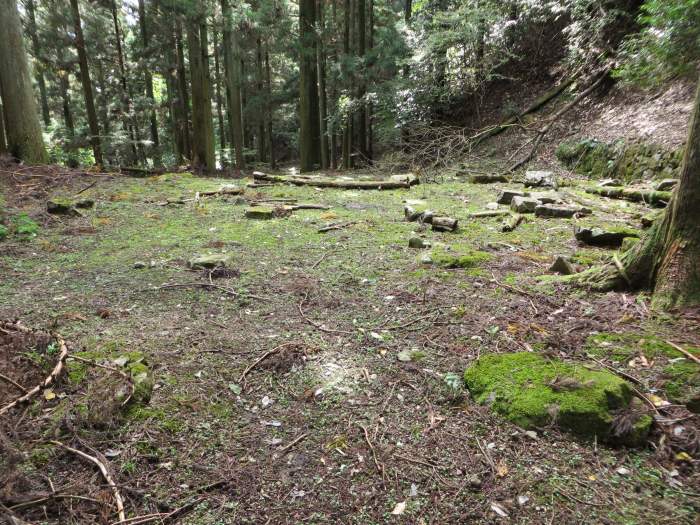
532, 391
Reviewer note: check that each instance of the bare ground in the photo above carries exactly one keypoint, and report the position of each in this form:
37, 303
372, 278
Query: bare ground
279, 397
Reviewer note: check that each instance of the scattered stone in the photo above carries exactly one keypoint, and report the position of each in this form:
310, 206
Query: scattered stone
512, 222
551, 210
215, 260
666, 184
506, 196
418, 243
547, 198
548, 391
523, 204
443, 224
260, 212
600, 237
139, 265
562, 265
486, 178
542, 179
609, 182
492, 206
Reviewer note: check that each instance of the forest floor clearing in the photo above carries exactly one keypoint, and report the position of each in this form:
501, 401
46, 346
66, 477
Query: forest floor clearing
312, 379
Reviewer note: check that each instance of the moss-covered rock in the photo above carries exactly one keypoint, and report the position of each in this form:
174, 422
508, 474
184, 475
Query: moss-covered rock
447, 259
214, 260
260, 213
532, 391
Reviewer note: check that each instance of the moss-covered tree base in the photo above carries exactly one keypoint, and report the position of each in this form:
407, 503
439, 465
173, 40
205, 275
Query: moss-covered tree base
534, 392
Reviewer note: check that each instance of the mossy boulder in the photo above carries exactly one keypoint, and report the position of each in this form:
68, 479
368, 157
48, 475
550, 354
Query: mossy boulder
532, 391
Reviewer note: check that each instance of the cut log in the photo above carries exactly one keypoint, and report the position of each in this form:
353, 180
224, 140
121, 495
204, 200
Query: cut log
512, 222
654, 198
488, 213
487, 178
444, 224
322, 182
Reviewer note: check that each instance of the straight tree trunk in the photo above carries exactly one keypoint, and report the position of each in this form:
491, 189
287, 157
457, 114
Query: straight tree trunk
148, 80
259, 85
183, 98
322, 99
232, 75
203, 157
347, 131
666, 259
22, 126
268, 105
370, 44
64, 86
309, 129
39, 64
361, 86
332, 131
219, 103
87, 84
126, 99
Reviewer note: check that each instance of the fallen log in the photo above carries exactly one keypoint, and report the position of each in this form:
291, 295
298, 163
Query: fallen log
444, 224
488, 213
512, 222
655, 198
322, 182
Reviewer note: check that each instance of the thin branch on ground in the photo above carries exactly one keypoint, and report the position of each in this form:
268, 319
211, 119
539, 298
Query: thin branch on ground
684, 352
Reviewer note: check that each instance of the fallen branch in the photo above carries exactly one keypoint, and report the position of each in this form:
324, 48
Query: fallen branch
293, 442
55, 373
684, 352
655, 198
13, 383
380, 468
105, 474
541, 133
336, 226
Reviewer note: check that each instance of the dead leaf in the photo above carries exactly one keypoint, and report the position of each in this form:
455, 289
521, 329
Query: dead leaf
499, 510
399, 509
49, 394
501, 469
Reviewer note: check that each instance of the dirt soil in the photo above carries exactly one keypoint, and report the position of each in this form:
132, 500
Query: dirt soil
281, 394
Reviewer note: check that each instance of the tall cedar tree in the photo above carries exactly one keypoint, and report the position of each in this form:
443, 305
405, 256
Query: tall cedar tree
24, 138
148, 80
232, 75
309, 124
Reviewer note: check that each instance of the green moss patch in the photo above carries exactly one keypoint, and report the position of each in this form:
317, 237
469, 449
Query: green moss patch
621, 347
532, 392
469, 259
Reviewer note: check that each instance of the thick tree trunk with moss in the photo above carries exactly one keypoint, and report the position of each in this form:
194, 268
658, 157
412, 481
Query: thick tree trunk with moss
148, 81
667, 259
38, 67
24, 138
232, 77
203, 157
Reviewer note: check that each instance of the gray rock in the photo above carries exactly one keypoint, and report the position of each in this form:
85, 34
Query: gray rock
139, 265
523, 204
552, 210
492, 206
547, 198
506, 196
600, 237
542, 179
418, 243
666, 184
610, 182
562, 265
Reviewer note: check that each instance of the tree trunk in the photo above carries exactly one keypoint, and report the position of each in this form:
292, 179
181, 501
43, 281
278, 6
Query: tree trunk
232, 77
361, 86
370, 109
39, 67
219, 102
332, 131
347, 131
203, 157
3, 141
322, 100
148, 80
309, 129
666, 259
259, 84
65, 101
87, 84
268, 105
183, 98
23, 129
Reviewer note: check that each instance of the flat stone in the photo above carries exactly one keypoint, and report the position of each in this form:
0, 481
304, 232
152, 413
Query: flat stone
506, 196
666, 185
547, 198
600, 237
542, 179
260, 212
215, 260
552, 210
610, 182
562, 265
523, 204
